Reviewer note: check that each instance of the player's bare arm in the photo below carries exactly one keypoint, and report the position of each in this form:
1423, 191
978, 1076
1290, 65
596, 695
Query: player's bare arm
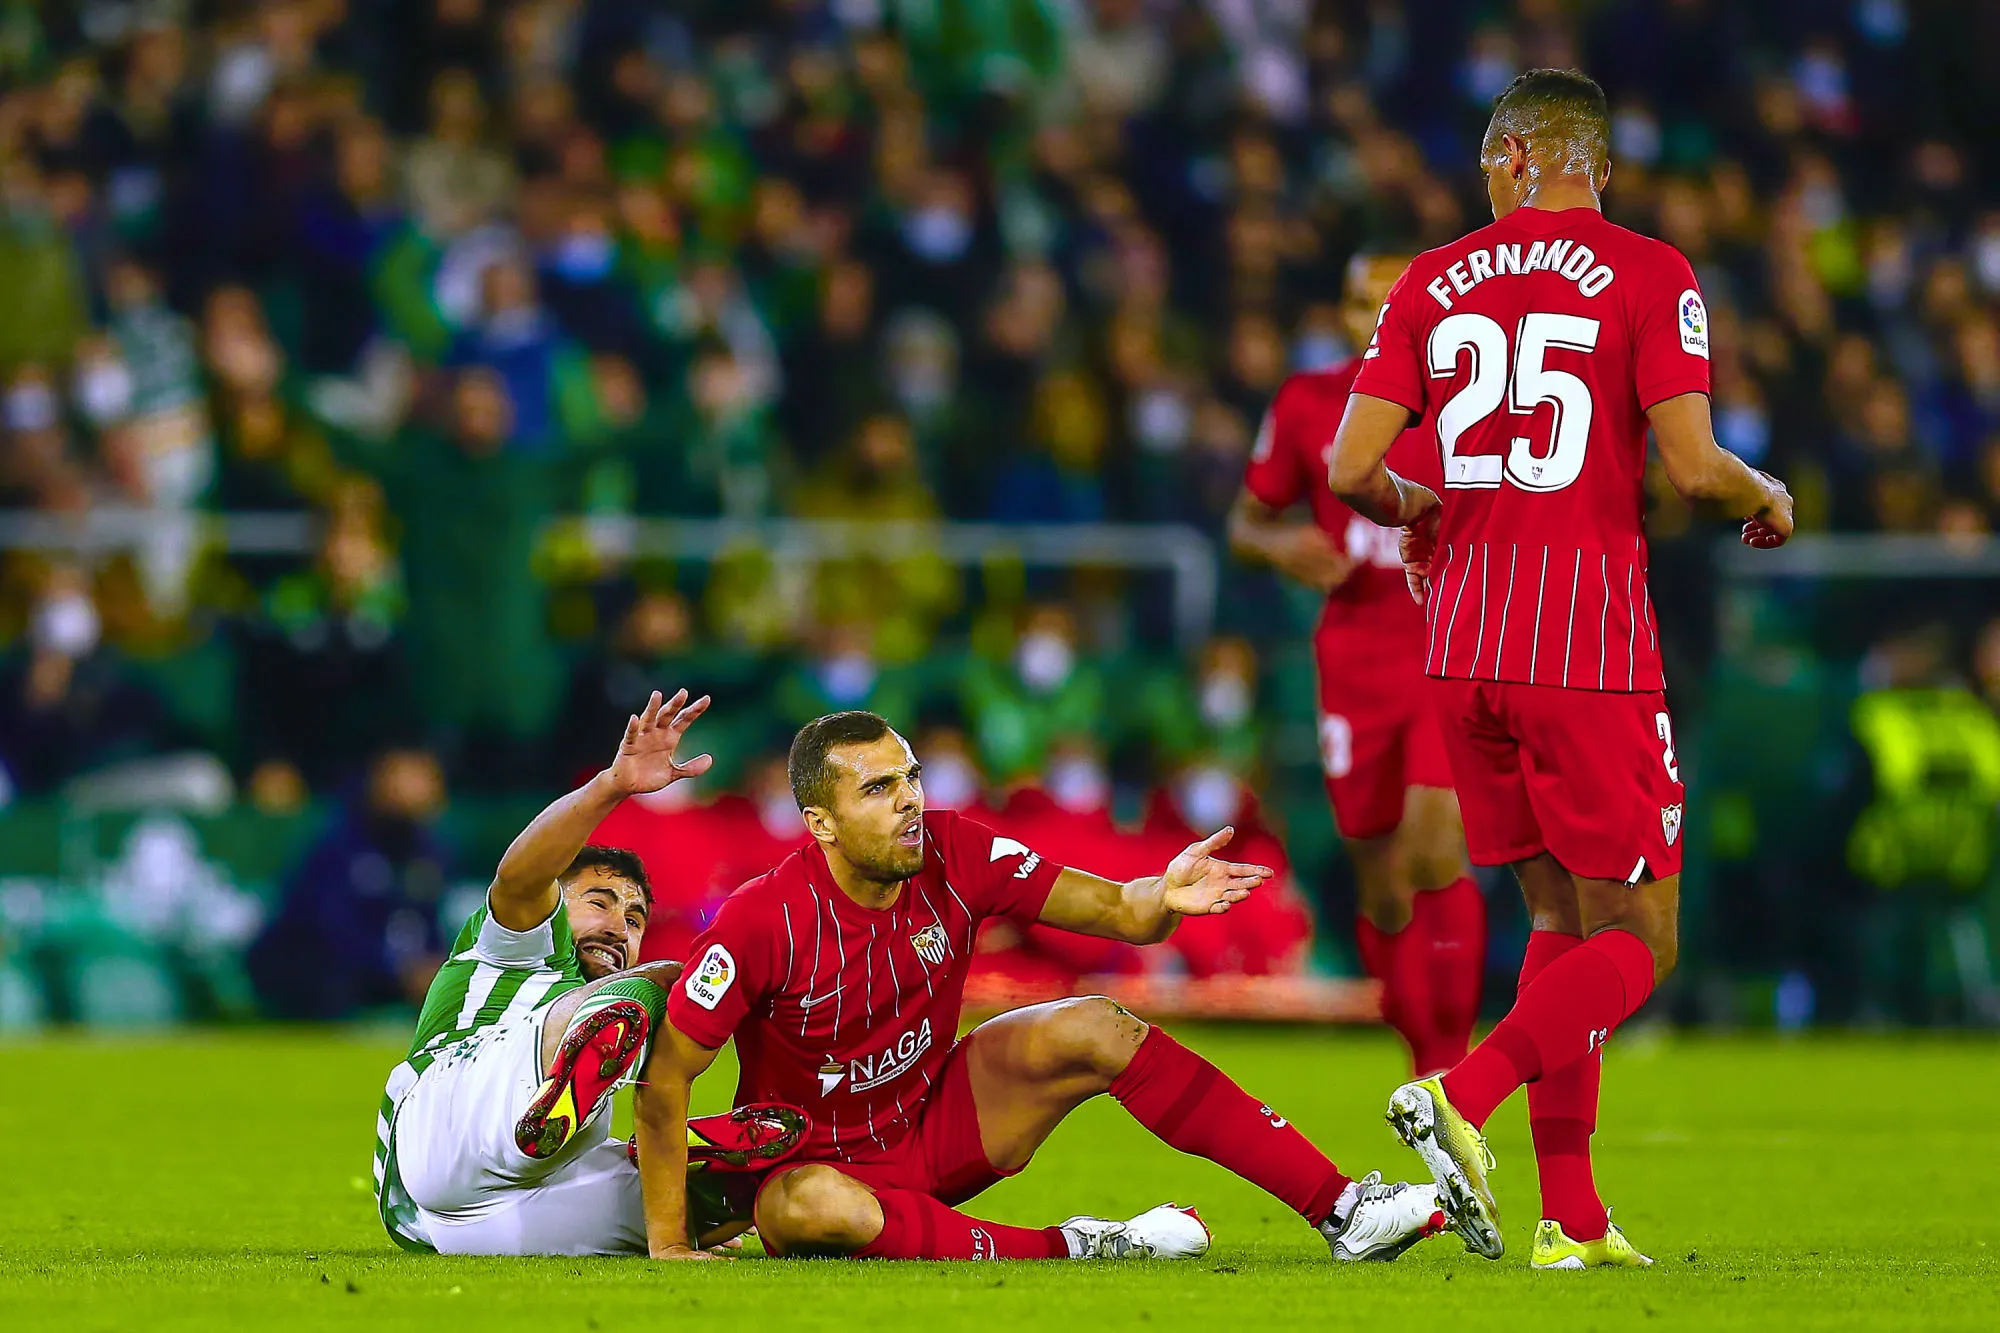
524, 890
1702, 470
1146, 910
1263, 535
1359, 476
659, 1127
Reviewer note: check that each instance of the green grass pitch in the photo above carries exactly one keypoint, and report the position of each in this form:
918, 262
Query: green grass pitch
217, 1181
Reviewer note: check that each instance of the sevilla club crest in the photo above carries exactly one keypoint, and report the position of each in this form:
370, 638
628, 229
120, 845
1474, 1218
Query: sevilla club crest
931, 945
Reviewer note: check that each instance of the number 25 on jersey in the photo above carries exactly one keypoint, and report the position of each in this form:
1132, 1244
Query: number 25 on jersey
1524, 383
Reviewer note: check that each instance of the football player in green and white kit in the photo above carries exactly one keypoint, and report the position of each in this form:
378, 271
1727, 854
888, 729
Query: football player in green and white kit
493, 1137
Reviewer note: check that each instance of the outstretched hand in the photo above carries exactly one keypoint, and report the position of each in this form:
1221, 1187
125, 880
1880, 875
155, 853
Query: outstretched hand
1199, 883
646, 756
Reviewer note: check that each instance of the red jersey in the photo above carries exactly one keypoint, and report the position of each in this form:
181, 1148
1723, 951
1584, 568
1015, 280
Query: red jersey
1289, 464
1530, 351
844, 1010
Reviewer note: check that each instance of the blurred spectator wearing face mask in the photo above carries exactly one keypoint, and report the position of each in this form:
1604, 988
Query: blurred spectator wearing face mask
66, 705
1065, 814
1268, 934
36, 465
938, 255
358, 924
1016, 709
951, 778
1213, 711
843, 672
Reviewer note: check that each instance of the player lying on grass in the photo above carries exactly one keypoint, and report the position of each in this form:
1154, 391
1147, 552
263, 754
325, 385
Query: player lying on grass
840, 975
1548, 678
493, 1133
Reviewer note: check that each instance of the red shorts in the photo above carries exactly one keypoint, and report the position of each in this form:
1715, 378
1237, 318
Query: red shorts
1377, 735
942, 1156
1588, 776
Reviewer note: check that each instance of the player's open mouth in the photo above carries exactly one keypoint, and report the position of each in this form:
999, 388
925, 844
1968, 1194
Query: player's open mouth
605, 955
912, 834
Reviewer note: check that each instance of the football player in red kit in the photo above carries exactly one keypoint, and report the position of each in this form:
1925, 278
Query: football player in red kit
840, 975
1421, 926
1537, 352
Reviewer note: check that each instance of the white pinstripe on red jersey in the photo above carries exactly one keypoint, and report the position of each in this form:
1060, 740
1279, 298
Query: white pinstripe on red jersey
1575, 629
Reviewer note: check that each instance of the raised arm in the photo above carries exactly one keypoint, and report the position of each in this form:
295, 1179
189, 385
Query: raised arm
1357, 474
659, 1129
1702, 470
524, 890
1145, 911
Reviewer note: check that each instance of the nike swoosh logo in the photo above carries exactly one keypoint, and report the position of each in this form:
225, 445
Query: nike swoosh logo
807, 1002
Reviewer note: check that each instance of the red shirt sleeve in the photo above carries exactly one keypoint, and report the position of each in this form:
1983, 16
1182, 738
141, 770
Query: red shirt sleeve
1274, 474
1670, 331
1393, 365
732, 968
1002, 877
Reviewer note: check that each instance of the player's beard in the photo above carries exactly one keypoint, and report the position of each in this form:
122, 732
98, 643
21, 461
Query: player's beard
888, 861
591, 964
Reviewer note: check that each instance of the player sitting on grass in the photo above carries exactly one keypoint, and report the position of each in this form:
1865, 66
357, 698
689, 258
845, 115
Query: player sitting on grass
840, 975
493, 1134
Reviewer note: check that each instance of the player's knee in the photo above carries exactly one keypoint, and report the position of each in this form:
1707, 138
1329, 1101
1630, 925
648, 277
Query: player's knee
1436, 861
1666, 952
1090, 1035
813, 1210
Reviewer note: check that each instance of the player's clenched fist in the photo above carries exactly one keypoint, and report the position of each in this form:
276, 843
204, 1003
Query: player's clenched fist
1772, 525
1418, 545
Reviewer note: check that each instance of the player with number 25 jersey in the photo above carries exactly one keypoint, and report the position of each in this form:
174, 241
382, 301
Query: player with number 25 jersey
1538, 352
1531, 350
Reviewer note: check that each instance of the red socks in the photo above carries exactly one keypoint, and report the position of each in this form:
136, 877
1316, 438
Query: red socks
1194, 1107
916, 1226
1431, 972
1562, 1115
1401, 962
1566, 1013
1453, 924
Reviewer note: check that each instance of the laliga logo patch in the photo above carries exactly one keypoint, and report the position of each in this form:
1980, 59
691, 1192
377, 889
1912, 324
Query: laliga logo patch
712, 977
1693, 324
1670, 823
931, 944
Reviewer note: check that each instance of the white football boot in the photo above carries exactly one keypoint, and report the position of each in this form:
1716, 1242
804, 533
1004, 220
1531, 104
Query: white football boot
1385, 1220
1166, 1232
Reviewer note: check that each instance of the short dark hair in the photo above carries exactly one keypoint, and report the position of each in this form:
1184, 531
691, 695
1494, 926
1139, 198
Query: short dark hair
812, 777
1564, 106
619, 861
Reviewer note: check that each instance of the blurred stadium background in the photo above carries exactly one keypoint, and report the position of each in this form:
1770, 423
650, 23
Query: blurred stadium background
393, 391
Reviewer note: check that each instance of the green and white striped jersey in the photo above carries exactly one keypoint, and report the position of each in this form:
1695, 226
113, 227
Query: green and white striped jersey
494, 975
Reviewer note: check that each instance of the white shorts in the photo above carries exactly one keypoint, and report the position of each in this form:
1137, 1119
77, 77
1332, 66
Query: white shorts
477, 1192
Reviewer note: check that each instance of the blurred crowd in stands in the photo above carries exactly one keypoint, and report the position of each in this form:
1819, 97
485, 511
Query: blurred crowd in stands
435, 272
